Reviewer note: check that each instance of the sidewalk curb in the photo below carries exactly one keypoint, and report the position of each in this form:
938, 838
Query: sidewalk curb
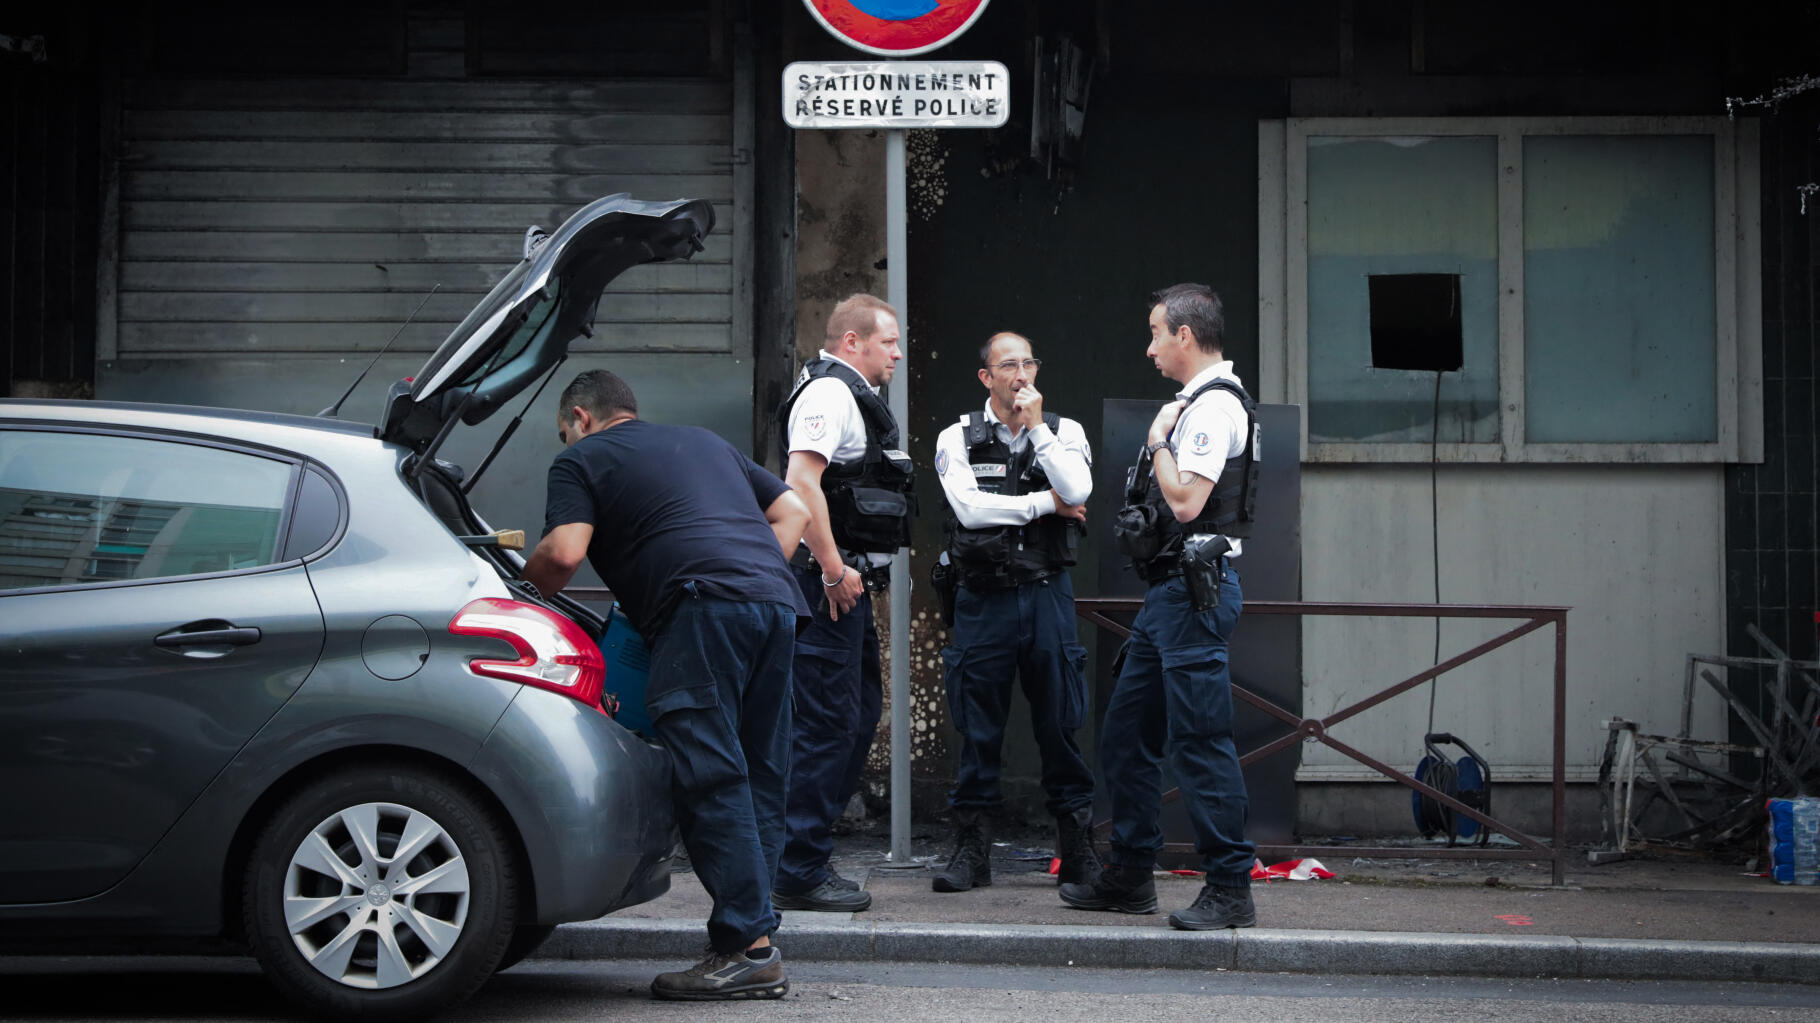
1250, 950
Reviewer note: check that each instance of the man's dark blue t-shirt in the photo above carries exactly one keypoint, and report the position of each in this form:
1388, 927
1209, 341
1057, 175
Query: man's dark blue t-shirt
671, 505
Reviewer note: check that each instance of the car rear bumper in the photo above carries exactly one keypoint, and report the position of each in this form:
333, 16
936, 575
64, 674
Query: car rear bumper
591, 803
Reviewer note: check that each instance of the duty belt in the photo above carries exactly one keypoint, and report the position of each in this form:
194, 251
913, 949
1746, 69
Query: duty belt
981, 581
876, 577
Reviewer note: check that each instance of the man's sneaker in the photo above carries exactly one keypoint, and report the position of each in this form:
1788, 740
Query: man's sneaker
1120, 889
1217, 906
726, 976
835, 879
826, 897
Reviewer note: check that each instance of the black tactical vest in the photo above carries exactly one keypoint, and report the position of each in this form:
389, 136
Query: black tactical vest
1229, 511
870, 502
1000, 556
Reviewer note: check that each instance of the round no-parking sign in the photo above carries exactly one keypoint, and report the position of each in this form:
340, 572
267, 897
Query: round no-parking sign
896, 28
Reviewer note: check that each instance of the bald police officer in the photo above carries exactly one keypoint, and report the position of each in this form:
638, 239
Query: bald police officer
1017, 480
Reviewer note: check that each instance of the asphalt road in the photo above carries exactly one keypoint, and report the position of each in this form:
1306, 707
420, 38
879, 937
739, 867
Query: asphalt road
218, 990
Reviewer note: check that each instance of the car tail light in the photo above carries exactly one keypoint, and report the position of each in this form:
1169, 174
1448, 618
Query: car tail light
553, 652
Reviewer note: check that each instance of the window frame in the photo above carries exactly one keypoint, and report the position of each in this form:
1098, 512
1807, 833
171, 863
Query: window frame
298, 465
1283, 285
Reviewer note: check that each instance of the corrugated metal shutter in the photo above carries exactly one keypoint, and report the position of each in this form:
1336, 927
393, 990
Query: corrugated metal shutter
311, 216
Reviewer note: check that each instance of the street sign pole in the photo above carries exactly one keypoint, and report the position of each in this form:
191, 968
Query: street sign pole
897, 279
895, 95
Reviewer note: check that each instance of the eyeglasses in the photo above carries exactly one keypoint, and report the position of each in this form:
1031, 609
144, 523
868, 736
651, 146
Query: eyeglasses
1012, 365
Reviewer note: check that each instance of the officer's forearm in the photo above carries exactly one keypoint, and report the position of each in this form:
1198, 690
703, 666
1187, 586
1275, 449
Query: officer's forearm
789, 519
976, 509
1067, 468
820, 534
1187, 497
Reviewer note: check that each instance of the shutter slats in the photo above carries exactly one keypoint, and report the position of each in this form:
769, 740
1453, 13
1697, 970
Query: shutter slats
312, 216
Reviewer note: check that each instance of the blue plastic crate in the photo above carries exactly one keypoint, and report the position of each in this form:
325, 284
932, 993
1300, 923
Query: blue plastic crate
628, 671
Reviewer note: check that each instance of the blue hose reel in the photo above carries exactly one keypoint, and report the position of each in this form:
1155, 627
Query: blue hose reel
1467, 779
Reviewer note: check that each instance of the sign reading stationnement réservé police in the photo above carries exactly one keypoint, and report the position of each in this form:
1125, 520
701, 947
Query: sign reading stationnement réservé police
897, 94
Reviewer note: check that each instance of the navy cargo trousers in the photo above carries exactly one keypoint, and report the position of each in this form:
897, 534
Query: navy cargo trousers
1174, 699
838, 700
719, 698
1026, 630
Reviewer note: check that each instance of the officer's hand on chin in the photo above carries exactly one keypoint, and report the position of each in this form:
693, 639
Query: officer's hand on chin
1165, 420
1028, 404
844, 594
1077, 512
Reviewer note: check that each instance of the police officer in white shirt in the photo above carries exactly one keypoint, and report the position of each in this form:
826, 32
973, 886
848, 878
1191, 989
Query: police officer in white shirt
845, 466
1017, 480
1181, 527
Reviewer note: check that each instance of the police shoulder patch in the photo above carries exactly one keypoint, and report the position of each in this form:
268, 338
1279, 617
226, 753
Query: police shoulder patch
816, 426
941, 463
1200, 443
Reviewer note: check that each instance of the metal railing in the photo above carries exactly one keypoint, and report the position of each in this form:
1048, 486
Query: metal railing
1308, 729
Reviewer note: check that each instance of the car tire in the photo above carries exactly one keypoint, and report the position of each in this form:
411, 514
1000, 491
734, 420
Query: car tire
525, 940
325, 889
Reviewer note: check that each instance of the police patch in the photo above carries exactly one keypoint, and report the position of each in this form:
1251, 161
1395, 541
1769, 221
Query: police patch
1200, 443
941, 463
816, 426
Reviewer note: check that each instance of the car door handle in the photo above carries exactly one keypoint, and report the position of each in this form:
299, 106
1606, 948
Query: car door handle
208, 634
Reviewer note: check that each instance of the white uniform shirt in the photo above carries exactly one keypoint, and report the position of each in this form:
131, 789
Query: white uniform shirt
1063, 453
1211, 430
826, 420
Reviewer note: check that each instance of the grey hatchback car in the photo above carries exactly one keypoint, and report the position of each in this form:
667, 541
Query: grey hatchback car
272, 678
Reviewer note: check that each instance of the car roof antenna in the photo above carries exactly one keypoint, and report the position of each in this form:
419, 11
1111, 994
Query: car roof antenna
512, 427
334, 410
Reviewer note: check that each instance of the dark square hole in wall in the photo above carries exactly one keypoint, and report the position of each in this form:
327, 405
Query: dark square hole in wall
1415, 322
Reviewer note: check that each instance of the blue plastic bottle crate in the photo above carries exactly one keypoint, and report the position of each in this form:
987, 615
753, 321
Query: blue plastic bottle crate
1794, 834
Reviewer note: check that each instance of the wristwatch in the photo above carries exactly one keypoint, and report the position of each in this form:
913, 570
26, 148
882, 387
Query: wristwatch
1152, 448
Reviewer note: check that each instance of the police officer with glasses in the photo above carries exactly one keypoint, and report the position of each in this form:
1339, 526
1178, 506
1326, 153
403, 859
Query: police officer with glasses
845, 466
1190, 501
1017, 480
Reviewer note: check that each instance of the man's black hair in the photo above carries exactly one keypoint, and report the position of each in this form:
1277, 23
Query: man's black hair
1199, 308
602, 393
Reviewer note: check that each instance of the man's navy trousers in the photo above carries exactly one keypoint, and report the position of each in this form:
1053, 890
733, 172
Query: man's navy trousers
1027, 630
719, 697
1174, 699
838, 701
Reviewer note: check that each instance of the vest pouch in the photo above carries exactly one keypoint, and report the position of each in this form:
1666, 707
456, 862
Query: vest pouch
871, 519
982, 547
1137, 533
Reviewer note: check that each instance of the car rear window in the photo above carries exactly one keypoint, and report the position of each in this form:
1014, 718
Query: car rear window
90, 508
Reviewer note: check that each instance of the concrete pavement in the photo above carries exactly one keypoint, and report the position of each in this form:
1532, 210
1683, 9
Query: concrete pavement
1678, 918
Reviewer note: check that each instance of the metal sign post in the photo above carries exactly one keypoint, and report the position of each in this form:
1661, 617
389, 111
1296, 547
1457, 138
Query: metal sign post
897, 95
897, 279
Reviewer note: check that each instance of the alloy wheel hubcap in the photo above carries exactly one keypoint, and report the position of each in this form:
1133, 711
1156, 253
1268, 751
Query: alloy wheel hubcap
376, 895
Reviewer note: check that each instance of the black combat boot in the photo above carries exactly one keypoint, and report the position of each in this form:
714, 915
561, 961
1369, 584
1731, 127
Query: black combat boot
1216, 907
1074, 845
969, 867
1120, 889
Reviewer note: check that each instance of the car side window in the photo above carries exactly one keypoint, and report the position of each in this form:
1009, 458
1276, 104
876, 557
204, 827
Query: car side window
93, 508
